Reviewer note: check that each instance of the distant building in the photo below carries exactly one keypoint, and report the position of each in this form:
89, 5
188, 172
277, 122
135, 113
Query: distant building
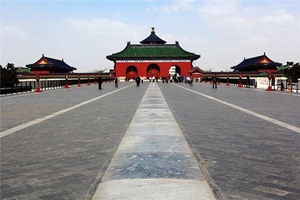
152, 57
23, 70
46, 65
257, 64
196, 72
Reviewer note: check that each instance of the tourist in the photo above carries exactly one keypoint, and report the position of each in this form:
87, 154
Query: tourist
99, 80
116, 82
138, 80
191, 82
214, 81
281, 86
248, 81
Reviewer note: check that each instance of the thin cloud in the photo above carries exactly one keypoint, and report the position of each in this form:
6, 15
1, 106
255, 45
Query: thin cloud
175, 6
102, 28
14, 33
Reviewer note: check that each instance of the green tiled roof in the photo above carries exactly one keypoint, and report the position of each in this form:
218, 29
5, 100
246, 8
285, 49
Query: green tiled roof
23, 70
153, 51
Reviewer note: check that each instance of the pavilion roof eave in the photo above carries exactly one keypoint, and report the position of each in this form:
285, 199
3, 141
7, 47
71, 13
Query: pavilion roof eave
141, 51
49, 67
256, 65
152, 58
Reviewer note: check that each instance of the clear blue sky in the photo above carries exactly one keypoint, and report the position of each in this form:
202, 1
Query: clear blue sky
83, 33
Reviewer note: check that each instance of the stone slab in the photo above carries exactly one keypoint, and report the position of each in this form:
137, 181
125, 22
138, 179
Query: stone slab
150, 189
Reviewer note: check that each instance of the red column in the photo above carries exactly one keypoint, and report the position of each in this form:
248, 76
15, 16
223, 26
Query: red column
38, 89
88, 83
78, 85
240, 80
66, 86
95, 80
269, 77
218, 79
227, 84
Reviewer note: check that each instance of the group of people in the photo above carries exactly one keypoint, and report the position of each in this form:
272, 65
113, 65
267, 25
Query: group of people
100, 81
138, 80
153, 78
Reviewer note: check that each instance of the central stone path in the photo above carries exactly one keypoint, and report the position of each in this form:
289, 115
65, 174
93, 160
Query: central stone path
153, 160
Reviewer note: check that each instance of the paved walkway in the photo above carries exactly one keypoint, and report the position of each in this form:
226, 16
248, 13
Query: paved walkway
247, 140
71, 143
153, 160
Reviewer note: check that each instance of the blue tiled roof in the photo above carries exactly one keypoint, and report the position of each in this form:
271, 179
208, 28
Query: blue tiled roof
153, 39
53, 63
59, 63
253, 62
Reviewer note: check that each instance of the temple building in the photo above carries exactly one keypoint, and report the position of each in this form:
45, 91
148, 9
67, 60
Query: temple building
257, 64
196, 72
46, 65
152, 57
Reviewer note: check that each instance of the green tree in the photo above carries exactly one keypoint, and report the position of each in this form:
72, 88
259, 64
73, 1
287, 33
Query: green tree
9, 75
292, 72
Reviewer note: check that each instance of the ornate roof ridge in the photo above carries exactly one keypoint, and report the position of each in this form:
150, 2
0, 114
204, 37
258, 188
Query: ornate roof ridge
153, 39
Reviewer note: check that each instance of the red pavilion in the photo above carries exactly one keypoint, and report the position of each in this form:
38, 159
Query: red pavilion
152, 57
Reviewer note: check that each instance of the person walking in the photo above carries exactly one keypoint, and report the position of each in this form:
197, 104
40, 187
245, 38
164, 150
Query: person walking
138, 80
99, 80
214, 81
116, 82
248, 81
191, 82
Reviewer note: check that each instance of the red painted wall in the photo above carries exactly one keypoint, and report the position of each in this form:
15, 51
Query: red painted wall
120, 68
39, 72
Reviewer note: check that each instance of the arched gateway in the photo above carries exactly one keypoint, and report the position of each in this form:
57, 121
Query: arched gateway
131, 72
153, 57
153, 70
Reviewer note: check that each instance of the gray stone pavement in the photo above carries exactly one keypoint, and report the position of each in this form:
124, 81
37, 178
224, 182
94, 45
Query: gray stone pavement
153, 160
243, 156
20, 108
64, 157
